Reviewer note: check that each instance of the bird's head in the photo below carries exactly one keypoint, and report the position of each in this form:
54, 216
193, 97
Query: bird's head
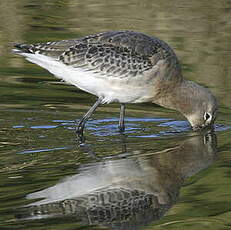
201, 110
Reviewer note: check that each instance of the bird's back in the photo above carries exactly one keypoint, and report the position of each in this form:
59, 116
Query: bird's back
113, 48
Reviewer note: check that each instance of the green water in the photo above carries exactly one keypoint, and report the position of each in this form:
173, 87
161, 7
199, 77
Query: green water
173, 178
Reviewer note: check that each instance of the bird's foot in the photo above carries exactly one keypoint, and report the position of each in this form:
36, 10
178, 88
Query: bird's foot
121, 129
80, 137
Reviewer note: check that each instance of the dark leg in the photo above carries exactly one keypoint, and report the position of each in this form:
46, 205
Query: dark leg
82, 122
121, 121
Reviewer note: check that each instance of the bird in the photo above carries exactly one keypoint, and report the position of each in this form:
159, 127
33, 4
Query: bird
124, 67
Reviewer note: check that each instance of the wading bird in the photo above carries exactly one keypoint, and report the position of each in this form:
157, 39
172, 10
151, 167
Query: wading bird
124, 67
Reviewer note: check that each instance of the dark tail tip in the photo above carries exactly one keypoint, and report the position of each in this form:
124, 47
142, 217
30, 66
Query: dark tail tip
24, 48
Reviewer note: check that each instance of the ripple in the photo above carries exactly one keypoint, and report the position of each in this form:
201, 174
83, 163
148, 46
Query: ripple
18, 126
220, 127
135, 127
42, 150
44, 127
179, 126
63, 121
131, 119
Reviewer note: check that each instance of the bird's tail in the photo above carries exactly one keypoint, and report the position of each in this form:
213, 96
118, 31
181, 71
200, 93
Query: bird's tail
23, 48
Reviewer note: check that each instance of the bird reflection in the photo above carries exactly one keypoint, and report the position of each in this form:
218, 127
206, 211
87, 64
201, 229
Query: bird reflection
125, 193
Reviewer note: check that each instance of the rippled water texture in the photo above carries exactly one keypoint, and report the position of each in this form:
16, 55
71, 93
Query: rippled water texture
159, 174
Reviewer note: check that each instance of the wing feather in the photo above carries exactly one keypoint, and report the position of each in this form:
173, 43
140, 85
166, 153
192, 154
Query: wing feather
115, 53
106, 58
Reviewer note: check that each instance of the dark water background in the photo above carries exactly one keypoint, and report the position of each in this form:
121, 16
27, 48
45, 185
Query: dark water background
170, 177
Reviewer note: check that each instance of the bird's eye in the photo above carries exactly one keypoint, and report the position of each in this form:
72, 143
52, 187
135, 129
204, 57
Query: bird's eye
207, 116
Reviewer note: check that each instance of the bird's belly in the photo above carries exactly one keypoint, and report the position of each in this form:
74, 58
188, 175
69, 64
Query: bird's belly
115, 89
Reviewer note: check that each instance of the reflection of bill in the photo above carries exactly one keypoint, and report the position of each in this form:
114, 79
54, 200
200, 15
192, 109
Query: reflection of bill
125, 193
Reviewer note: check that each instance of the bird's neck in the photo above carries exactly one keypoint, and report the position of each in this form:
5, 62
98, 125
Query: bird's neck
175, 95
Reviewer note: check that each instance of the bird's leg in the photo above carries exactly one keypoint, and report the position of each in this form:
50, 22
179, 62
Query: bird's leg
121, 121
82, 122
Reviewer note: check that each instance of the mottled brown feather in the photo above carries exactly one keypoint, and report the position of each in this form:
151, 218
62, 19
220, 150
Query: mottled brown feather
114, 53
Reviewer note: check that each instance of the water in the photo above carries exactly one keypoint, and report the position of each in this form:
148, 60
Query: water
159, 174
